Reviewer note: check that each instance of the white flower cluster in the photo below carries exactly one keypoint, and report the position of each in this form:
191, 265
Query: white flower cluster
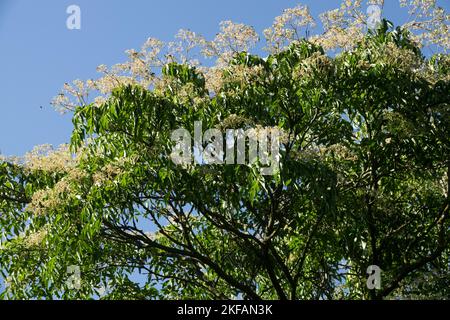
288, 27
232, 38
46, 158
343, 28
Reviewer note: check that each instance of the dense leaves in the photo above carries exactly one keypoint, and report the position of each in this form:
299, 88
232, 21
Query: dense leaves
363, 180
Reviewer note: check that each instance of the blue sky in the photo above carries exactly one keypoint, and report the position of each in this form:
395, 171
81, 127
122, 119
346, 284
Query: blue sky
38, 53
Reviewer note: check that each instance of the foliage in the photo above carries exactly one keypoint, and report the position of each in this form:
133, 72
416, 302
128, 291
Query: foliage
363, 180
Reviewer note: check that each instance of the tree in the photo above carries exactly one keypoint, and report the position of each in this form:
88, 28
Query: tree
362, 180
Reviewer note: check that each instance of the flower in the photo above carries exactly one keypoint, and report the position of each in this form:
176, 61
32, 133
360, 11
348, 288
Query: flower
286, 27
102, 68
430, 25
46, 158
35, 239
343, 27
73, 95
187, 42
232, 38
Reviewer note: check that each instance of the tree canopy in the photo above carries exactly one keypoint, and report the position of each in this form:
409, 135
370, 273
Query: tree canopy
363, 180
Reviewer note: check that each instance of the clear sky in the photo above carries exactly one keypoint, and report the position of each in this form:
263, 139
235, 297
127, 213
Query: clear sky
38, 54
